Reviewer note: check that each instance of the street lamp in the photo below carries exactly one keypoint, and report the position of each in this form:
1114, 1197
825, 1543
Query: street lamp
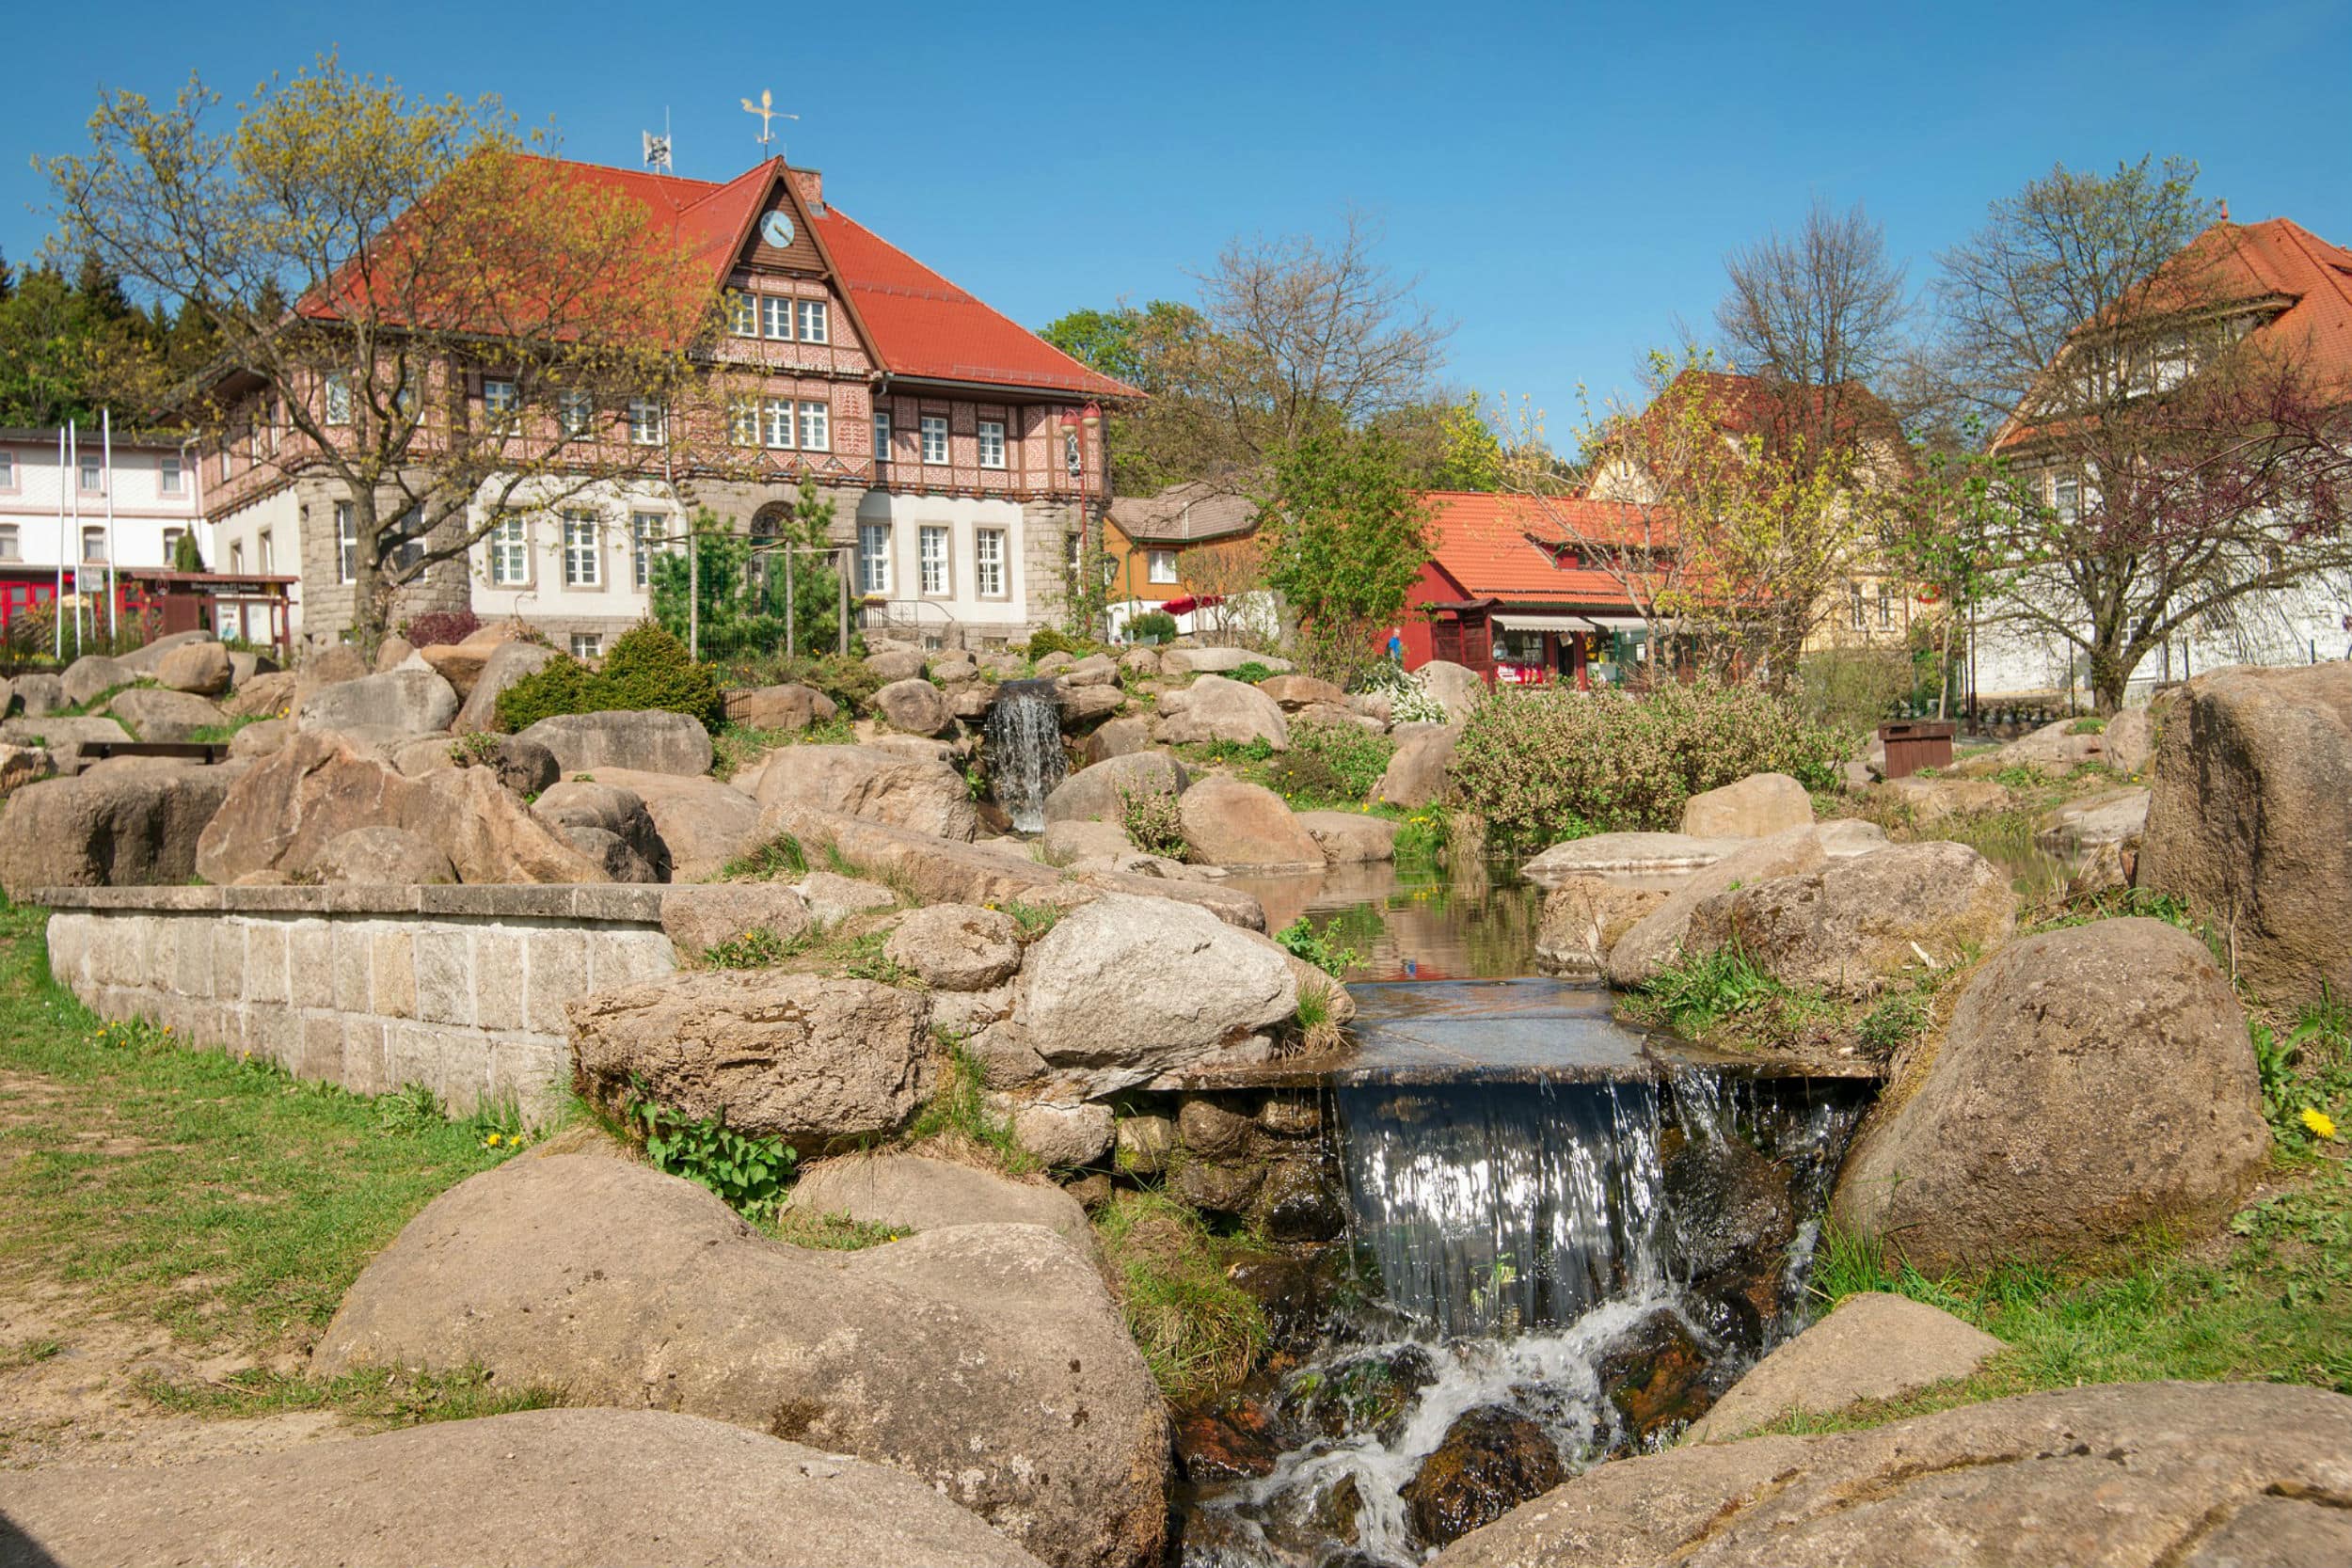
1074, 420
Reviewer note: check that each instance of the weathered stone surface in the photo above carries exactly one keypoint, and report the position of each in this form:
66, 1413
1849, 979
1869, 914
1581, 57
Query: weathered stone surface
24, 765
389, 856
703, 823
915, 707
651, 741
1214, 709
1656, 1375
1093, 792
1229, 822
2093, 1081
1125, 988
2250, 821
1585, 913
537, 1487
2131, 740
2118, 819
507, 663
1860, 920
146, 659
2130, 1475
1654, 941
1083, 839
1421, 769
895, 664
93, 676
201, 667
1116, 738
1629, 854
2055, 747
459, 663
987, 1362
1080, 705
271, 694
1841, 836
331, 667
1350, 837
524, 767
393, 653
1871, 1346
283, 812
1293, 692
62, 736
957, 946
1758, 806
38, 695
411, 700
116, 828
831, 897
155, 714
260, 739
781, 708
609, 825
1146, 1143
917, 1192
1197, 661
812, 1059
1491, 1459
1931, 801
1140, 661
700, 917
1459, 686
921, 793
1064, 1136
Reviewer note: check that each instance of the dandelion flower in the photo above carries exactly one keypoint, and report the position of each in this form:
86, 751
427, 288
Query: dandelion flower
2321, 1124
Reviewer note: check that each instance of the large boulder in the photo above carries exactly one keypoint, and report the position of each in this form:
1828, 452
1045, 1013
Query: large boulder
2119, 818
1062, 842
283, 813
458, 663
1456, 686
269, 695
912, 707
1198, 662
1490, 1459
1124, 989
813, 1059
201, 667
36, 694
704, 824
1294, 693
1656, 940
149, 658
1230, 822
93, 676
895, 664
779, 707
1585, 913
332, 667
152, 713
609, 826
62, 736
915, 1192
114, 828
874, 782
412, 700
650, 740
1931, 801
1421, 770
700, 917
2131, 740
2201, 1475
2249, 820
1758, 806
1350, 837
1871, 1346
2060, 745
987, 1362
507, 663
1859, 921
1118, 738
28, 764
1093, 792
957, 946
1214, 709
522, 766
2094, 1081
389, 856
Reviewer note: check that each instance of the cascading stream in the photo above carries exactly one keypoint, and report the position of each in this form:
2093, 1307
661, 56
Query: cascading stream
1024, 753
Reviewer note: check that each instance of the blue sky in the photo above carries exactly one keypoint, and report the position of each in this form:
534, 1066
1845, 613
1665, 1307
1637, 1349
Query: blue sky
1567, 178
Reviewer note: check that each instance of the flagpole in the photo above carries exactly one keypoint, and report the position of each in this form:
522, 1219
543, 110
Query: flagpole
56, 604
72, 479
114, 624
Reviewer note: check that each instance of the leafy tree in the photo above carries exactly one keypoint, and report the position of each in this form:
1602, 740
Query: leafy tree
742, 602
1470, 454
1345, 536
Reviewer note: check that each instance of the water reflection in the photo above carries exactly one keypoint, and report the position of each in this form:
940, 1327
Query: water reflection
1476, 920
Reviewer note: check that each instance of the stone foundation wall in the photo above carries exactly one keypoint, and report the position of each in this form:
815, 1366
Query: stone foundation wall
459, 988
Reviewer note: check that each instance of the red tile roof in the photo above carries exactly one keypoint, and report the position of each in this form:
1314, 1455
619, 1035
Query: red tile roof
1489, 544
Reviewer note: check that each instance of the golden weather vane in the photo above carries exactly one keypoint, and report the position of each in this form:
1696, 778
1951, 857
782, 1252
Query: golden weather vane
767, 111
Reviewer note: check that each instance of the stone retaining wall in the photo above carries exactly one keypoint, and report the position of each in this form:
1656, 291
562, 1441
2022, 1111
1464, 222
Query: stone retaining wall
459, 988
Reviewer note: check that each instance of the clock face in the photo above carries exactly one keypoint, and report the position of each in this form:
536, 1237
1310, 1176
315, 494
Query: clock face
776, 228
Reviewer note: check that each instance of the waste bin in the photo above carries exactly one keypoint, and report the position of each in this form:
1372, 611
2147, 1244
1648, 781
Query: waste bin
1915, 743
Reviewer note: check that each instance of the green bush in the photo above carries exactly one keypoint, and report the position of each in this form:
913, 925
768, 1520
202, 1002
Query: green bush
1546, 764
1301, 776
1155, 623
1153, 821
648, 669
749, 1173
1251, 673
1045, 639
1852, 688
1358, 755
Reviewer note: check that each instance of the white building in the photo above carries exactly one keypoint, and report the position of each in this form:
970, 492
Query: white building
126, 504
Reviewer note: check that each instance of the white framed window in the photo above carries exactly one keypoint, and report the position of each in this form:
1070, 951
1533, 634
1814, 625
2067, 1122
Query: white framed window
1886, 606
339, 397
815, 322
2068, 503
584, 565
407, 397
236, 558
931, 555
346, 543
776, 316
93, 545
988, 563
267, 547
646, 425
815, 427
743, 314
991, 443
168, 477
509, 552
171, 544
1160, 565
743, 421
498, 398
934, 438
881, 436
92, 475
647, 532
575, 411
1853, 606
873, 558
411, 527
1074, 551
780, 422
587, 644
9, 547
7, 470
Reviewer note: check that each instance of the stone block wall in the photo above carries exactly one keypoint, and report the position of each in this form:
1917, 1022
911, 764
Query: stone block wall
459, 988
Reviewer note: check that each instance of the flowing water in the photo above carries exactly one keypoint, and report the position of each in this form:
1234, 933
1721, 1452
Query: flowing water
1026, 758
1580, 1241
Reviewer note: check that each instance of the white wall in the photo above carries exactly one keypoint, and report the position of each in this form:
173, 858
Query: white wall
2292, 626
963, 517
143, 514
546, 595
237, 547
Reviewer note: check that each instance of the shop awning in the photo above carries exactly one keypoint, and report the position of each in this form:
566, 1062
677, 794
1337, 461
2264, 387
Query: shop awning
1543, 623
1620, 623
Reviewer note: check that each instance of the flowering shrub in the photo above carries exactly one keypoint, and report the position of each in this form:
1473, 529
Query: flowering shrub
1548, 763
435, 627
1354, 756
1153, 821
1410, 701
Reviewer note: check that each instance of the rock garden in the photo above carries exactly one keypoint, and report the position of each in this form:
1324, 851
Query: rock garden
1101, 1107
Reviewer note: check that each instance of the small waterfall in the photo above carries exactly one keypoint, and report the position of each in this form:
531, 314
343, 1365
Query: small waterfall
1024, 754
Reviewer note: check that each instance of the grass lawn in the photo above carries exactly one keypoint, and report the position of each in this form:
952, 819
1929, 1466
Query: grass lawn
225, 1200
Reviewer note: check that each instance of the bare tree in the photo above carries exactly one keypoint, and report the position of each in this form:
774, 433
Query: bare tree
1818, 310
471, 331
2185, 450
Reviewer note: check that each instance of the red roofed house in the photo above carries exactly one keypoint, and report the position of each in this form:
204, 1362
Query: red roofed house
945, 436
1506, 593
